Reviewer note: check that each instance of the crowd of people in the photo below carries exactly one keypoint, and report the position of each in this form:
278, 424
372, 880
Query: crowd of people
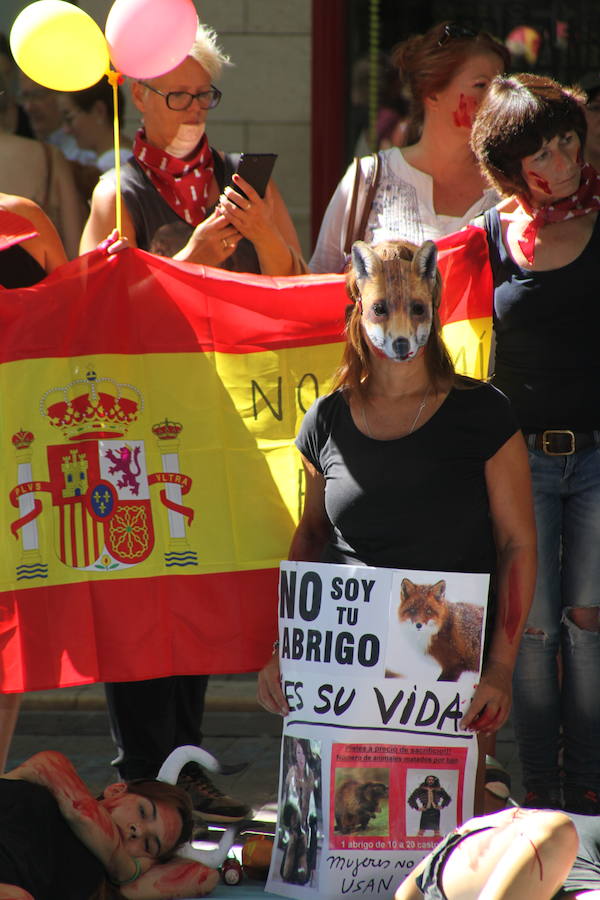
519, 456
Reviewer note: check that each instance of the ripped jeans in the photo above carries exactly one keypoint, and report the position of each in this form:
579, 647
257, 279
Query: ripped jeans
566, 493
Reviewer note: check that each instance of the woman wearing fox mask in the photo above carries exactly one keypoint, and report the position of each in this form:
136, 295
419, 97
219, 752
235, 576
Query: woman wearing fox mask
399, 446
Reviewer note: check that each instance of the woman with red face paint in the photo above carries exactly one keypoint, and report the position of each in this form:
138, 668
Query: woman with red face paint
432, 187
57, 840
544, 245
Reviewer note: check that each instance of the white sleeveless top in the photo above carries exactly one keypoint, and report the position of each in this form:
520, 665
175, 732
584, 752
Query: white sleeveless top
402, 209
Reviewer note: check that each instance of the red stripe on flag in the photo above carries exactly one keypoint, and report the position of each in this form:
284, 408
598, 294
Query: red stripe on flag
187, 309
107, 630
464, 264
14, 229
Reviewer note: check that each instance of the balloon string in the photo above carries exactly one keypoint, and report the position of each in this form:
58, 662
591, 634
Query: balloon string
114, 79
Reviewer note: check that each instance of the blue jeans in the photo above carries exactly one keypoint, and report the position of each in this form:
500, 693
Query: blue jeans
566, 493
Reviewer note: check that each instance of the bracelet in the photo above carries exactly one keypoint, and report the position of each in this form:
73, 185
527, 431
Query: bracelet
136, 874
275, 647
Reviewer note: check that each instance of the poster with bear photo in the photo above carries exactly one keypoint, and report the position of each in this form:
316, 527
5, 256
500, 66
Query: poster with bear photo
378, 667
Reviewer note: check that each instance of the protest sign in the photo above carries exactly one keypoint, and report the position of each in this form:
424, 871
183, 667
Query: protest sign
378, 666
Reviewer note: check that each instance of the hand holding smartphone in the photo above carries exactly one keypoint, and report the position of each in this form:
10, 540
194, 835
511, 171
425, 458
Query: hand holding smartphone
256, 169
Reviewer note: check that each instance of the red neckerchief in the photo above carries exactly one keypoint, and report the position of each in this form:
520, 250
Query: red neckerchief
182, 183
585, 200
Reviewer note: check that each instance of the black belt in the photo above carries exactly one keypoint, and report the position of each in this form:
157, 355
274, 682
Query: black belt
561, 441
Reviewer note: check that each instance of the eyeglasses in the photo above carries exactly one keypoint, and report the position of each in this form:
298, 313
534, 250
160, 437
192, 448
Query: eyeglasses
181, 100
452, 31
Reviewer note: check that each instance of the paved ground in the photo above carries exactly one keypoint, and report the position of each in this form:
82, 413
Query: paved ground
74, 721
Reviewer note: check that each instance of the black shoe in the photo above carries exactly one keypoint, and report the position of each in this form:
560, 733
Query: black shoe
209, 801
581, 800
543, 798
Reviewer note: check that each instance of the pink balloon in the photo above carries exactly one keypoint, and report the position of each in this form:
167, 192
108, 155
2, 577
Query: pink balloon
147, 38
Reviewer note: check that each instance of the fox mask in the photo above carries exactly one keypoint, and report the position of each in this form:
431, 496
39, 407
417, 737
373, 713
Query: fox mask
398, 287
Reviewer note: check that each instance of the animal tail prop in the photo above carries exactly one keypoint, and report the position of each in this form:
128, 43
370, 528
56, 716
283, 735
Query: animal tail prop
169, 772
181, 756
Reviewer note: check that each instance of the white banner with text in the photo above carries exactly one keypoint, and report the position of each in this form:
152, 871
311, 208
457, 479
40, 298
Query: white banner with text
378, 667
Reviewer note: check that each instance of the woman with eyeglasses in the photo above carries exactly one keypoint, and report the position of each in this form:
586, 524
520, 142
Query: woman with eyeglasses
181, 197
433, 186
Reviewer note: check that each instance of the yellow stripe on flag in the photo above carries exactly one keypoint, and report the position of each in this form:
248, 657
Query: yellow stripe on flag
469, 345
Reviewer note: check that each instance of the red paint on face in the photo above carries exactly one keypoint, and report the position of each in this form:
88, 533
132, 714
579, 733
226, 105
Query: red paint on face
540, 182
514, 608
464, 115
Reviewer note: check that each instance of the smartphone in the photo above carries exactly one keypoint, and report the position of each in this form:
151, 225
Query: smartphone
256, 168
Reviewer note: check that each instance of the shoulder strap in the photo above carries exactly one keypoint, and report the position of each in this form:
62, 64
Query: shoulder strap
44, 202
349, 238
370, 196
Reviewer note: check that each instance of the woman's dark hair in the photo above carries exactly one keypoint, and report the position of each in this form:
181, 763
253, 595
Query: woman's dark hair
518, 113
428, 62
436, 781
291, 750
101, 92
355, 366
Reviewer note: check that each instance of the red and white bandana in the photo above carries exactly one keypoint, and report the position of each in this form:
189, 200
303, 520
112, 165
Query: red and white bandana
182, 183
585, 200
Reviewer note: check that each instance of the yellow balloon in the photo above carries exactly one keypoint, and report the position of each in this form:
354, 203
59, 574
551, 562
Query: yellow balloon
59, 45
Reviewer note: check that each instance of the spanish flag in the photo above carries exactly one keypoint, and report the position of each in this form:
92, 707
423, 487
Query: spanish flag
150, 484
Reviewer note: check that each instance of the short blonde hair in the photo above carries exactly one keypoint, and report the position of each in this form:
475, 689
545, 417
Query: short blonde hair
207, 52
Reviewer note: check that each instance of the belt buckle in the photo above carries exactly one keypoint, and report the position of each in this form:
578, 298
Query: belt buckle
546, 439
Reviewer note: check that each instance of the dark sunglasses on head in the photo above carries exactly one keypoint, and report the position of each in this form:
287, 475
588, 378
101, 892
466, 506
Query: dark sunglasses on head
452, 31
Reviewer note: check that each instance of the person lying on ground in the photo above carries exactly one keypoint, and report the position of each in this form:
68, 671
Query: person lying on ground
56, 839
515, 854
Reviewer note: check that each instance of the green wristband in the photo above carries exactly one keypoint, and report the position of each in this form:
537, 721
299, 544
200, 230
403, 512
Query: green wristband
136, 874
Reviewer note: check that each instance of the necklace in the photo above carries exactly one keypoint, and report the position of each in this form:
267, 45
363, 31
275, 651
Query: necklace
414, 422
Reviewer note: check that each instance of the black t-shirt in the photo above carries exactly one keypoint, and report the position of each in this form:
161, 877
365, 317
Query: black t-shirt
38, 850
418, 502
547, 326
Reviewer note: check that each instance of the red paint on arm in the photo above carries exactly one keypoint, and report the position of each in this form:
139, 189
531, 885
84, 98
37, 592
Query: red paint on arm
540, 182
513, 608
89, 808
187, 874
464, 115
